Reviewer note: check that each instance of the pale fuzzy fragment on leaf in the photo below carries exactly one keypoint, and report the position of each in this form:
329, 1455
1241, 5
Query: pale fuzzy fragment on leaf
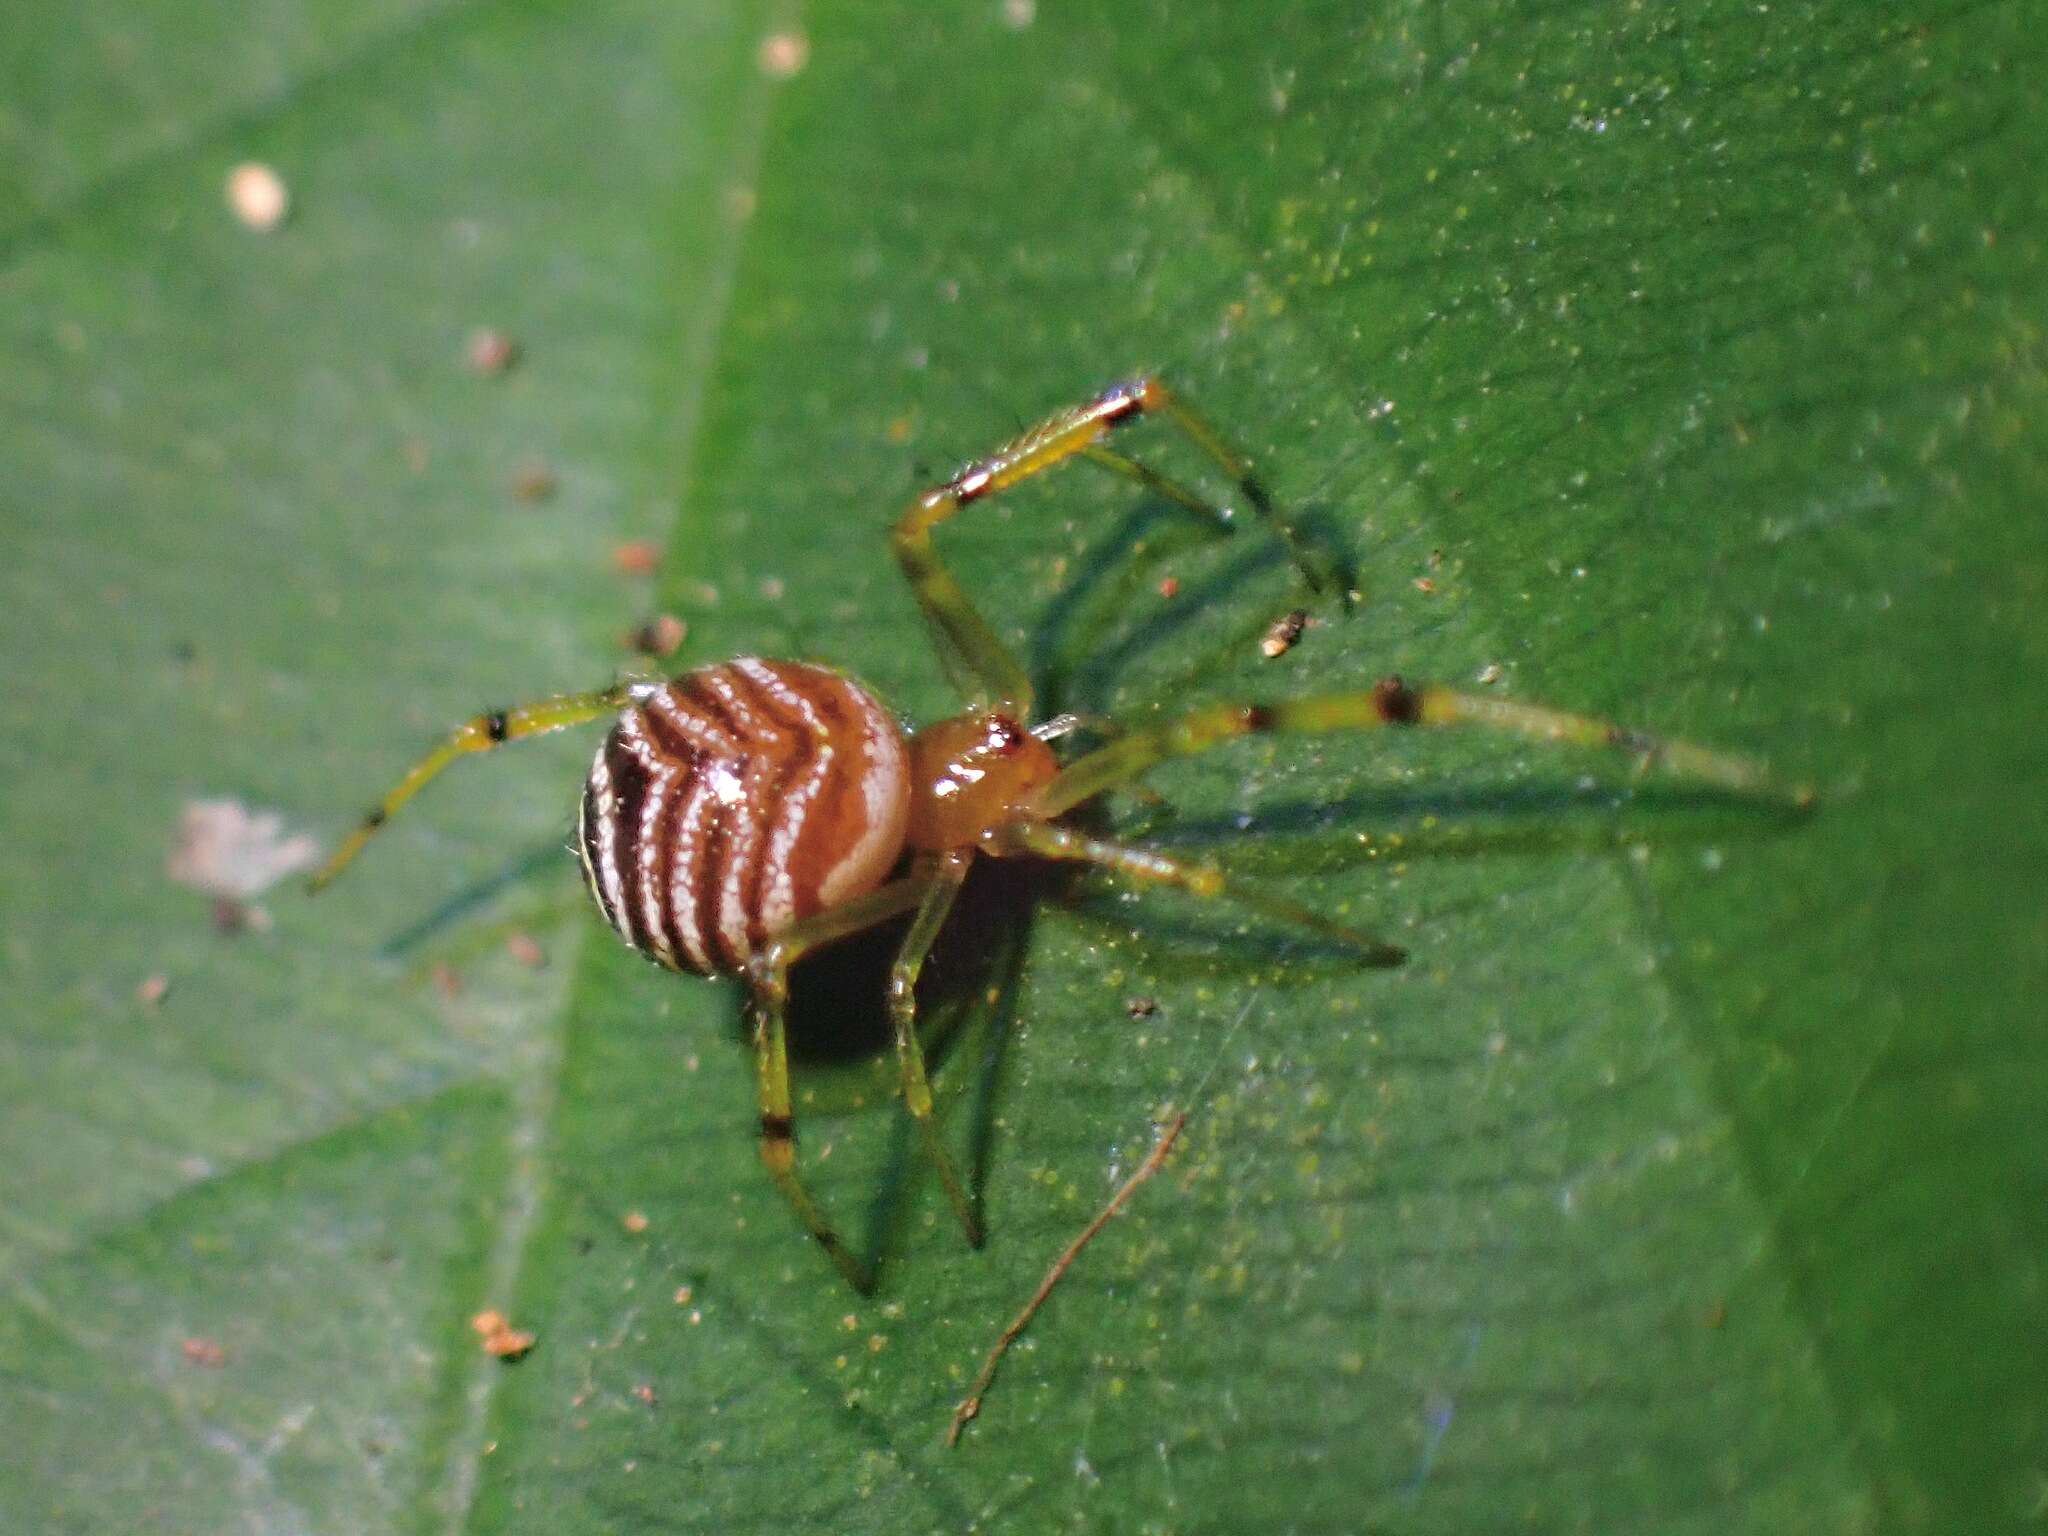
234, 854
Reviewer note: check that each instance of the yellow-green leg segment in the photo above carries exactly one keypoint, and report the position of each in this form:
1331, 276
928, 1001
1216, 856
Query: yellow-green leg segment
479, 733
980, 665
951, 870
1048, 840
768, 982
1392, 702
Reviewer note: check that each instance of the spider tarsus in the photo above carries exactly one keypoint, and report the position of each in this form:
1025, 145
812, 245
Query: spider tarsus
495, 725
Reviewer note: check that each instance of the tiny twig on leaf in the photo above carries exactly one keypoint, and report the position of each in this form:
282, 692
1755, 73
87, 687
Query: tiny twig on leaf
970, 1405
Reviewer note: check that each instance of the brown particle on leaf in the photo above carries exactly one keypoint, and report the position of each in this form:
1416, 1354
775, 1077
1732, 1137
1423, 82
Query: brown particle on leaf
525, 948
661, 635
645, 1392
1141, 1007
152, 989
499, 1337
634, 1221
534, 481
257, 196
1489, 674
899, 430
490, 351
204, 1351
1424, 585
782, 55
1169, 586
635, 557
1285, 633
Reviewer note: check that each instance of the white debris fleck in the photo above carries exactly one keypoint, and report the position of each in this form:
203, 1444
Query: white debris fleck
226, 849
257, 196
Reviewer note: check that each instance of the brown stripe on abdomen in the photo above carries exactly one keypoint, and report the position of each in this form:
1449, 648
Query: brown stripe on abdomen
736, 799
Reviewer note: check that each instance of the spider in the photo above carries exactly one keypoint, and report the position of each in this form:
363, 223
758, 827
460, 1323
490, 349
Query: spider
743, 814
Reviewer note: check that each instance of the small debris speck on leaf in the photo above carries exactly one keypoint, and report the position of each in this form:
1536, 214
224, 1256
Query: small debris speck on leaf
202, 1351
490, 351
534, 481
635, 557
226, 851
525, 948
1142, 1007
499, 1337
257, 196
783, 54
661, 635
1284, 634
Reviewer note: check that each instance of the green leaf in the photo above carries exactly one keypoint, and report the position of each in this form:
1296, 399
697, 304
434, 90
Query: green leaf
1681, 366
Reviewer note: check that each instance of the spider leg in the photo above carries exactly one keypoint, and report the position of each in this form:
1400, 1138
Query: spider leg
917, 1094
977, 661
1048, 840
1392, 702
479, 733
1163, 486
768, 987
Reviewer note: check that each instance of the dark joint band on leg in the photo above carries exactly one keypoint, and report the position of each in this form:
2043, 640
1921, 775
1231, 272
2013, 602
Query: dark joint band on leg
1397, 703
969, 484
1121, 402
1255, 717
375, 818
494, 725
778, 1127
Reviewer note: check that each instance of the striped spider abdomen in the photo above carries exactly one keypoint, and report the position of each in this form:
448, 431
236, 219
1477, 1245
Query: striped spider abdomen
734, 800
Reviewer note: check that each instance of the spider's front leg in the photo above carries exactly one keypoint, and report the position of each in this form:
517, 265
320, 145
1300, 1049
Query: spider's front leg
980, 665
1392, 703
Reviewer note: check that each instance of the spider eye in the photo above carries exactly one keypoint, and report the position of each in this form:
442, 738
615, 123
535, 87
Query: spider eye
1005, 736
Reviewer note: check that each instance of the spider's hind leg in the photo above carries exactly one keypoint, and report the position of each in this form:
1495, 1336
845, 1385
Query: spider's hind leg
479, 733
1048, 840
